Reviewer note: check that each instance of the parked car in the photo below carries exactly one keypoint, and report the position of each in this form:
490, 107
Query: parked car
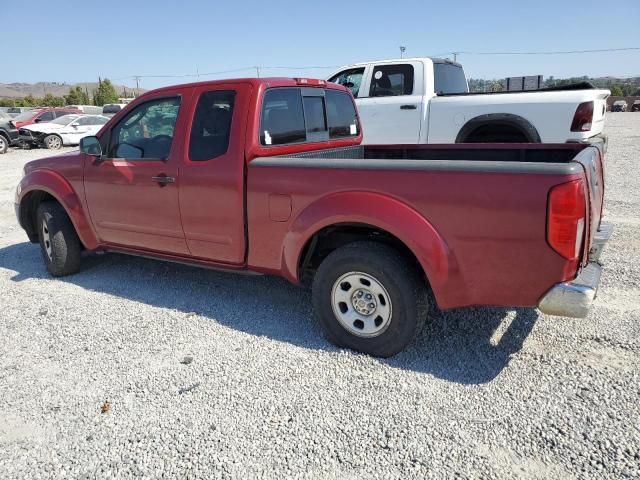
15, 111
427, 100
112, 108
8, 135
636, 106
289, 191
39, 115
619, 106
63, 131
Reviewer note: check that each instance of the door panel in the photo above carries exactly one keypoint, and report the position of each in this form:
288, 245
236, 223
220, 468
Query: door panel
392, 110
132, 193
212, 174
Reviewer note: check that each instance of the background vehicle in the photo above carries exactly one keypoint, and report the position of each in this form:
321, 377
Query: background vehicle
8, 135
87, 109
65, 130
619, 106
112, 108
15, 111
4, 116
267, 175
636, 106
41, 115
427, 100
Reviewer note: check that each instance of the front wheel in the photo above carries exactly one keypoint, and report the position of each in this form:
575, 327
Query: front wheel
52, 142
59, 242
370, 298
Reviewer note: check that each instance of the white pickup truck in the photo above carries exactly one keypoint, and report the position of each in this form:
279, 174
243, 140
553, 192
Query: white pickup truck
427, 100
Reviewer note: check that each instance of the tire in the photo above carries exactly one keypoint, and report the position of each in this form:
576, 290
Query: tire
398, 292
52, 142
4, 144
59, 243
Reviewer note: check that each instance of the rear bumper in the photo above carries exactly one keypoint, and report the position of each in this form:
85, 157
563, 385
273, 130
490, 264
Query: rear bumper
574, 299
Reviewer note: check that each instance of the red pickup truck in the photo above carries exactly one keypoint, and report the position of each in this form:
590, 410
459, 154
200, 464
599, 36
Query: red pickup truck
268, 175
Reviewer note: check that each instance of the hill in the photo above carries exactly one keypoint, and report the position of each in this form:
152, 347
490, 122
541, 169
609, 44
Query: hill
40, 89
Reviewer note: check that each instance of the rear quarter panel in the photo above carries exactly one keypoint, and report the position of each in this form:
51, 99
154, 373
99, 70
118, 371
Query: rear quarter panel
551, 113
491, 226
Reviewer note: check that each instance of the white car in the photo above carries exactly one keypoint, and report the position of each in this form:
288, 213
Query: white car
427, 100
65, 130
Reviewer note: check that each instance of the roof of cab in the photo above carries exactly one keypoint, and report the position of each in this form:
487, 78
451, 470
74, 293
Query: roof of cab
267, 82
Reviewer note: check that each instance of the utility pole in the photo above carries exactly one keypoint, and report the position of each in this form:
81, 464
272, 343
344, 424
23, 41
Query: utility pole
455, 56
402, 50
258, 71
137, 85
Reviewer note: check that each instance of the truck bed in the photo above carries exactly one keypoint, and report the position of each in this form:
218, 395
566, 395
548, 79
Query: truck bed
487, 202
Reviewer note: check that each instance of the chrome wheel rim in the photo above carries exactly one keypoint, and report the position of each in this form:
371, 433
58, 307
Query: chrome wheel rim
54, 142
46, 239
3, 143
361, 304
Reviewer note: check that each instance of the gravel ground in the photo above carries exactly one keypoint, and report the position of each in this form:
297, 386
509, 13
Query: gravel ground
210, 375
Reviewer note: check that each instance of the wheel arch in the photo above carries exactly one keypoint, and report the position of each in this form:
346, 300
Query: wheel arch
41, 186
504, 120
341, 218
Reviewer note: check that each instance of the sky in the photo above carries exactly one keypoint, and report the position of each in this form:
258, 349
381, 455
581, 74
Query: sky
79, 40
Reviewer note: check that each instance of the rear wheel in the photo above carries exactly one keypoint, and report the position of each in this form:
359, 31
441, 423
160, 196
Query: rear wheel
59, 242
52, 142
4, 144
370, 298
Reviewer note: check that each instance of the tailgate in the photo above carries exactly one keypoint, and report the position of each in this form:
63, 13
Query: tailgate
591, 159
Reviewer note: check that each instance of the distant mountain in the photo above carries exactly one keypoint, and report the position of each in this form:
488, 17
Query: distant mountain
40, 89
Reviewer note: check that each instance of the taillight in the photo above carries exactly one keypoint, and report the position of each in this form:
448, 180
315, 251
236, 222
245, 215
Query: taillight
566, 214
583, 117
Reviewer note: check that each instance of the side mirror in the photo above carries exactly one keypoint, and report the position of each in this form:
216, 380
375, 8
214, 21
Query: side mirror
37, 120
74, 125
91, 146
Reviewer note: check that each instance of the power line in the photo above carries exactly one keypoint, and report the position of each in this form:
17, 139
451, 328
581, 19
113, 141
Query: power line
559, 52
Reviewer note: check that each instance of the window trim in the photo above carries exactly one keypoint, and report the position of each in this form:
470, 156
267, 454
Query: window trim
109, 134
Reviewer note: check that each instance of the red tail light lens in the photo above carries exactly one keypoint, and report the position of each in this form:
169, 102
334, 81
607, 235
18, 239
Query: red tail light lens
566, 218
583, 117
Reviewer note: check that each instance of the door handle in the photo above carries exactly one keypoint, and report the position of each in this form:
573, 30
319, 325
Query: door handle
163, 179
408, 107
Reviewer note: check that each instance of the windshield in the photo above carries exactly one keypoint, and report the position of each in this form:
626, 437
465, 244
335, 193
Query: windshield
65, 119
25, 116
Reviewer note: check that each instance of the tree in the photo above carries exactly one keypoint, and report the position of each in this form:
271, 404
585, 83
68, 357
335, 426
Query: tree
50, 100
105, 93
77, 96
616, 91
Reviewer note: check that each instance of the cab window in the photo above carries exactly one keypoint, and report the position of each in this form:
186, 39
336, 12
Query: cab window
352, 79
391, 80
296, 115
211, 125
147, 131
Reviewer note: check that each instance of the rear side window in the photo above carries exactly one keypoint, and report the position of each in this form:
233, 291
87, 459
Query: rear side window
294, 115
449, 78
211, 125
392, 80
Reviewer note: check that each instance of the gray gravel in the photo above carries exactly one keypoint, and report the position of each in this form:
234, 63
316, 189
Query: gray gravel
209, 375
